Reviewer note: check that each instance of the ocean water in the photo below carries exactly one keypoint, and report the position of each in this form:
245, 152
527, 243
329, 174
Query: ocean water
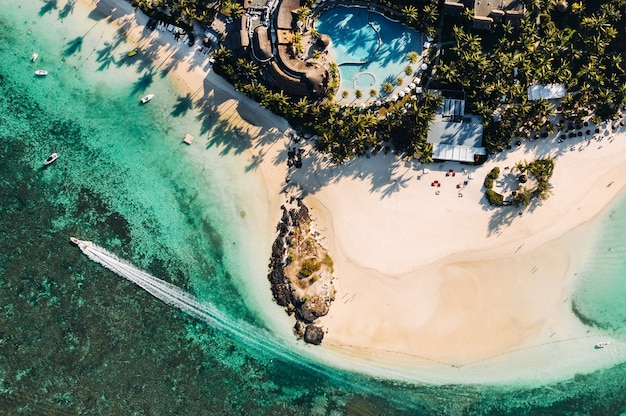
77, 339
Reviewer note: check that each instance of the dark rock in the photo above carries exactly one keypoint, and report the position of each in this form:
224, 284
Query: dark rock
311, 309
298, 329
313, 335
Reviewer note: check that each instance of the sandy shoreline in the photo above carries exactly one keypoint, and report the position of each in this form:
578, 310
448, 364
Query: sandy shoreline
424, 278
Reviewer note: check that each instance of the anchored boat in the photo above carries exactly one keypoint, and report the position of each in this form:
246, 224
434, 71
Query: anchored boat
147, 98
50, 160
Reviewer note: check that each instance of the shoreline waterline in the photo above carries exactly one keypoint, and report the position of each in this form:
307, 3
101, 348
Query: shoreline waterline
273, 182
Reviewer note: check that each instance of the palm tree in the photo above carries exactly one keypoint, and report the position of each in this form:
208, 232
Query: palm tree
222, 54
410, 13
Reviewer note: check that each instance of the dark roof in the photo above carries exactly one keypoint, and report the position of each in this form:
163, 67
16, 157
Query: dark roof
482, 23
453, 8
497, 15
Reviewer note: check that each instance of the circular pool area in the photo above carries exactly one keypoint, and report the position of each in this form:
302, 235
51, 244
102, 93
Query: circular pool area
369, 49
364, 80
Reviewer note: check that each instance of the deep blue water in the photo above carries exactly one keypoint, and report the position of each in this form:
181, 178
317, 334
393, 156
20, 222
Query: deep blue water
76, 339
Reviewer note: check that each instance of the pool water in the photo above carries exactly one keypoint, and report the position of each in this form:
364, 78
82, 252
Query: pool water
369, 49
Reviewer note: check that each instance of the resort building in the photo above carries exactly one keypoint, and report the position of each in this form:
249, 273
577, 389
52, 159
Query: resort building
266, 33
456, 136
488, 12
546, 92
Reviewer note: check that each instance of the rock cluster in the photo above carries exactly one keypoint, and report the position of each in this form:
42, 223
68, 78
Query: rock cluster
297, 293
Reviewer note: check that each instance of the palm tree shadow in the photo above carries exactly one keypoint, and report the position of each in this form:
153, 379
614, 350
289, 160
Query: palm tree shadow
183, 105
67, 9
48, 7
394, 186
143, 83
74, 46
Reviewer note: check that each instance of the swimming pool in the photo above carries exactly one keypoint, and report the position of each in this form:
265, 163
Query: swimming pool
369, 49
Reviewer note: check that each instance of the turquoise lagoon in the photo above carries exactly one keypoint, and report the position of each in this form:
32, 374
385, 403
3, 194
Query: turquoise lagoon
75, 338
369, 49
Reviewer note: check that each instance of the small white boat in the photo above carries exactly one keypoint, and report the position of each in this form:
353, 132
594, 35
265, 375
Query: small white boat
51, 159
601, 344
41, 72
147, 98
34, 56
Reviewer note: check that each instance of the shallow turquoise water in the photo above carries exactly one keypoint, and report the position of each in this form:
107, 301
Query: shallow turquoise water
77, 339
601, 292
369, 48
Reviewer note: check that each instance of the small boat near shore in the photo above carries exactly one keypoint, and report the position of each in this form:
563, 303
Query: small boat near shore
601, 345
147, 98
34, 56
41, 72
50, 160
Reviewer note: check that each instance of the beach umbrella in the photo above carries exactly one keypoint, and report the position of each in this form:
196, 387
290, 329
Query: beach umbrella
417, 80
418, 90
523, 178
394, 98
412, 86
378, 103
407, 90
401, 94
424, 67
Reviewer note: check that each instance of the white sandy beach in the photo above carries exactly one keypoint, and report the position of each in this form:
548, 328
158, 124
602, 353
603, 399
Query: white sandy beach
422, 278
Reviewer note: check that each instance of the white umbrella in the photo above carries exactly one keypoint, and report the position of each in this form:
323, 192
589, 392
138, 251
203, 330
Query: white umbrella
412, 86
378, 103
424, 67
417, 80
418, 90
394, 98
401, 94
407, 90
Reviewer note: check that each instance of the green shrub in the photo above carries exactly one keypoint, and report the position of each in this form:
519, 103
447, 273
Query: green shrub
488, 183
494, 198
494, 173
309, 266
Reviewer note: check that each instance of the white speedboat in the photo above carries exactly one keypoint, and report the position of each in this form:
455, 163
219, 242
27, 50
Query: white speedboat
51, 159
34, 56
147, 98
41, 72
601, 344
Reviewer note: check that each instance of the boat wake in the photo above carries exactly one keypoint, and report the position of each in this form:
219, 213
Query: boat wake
251, 335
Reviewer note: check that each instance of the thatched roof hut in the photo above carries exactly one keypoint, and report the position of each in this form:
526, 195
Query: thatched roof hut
323, 41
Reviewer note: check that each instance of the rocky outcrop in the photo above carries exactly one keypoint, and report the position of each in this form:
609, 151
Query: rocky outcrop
313, 334
300, 271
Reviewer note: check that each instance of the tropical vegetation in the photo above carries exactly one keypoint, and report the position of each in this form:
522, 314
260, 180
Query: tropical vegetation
583, 49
